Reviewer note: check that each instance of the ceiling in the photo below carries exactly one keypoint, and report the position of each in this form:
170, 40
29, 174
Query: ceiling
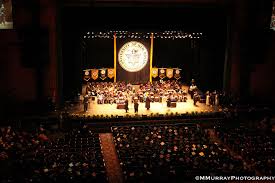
88, 3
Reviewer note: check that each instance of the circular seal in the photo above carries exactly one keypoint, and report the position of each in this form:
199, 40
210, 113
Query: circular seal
162, 71
102, 72
177, 71
133, 56
155, 71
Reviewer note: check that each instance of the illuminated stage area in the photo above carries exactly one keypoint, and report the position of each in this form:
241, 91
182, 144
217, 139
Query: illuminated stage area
155, 108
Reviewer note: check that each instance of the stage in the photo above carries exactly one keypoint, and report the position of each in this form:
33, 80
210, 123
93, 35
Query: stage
155, 108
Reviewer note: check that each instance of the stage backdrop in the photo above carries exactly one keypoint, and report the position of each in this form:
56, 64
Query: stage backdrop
133, 60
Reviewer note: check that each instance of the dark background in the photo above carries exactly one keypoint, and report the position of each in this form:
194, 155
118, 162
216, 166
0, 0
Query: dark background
201, 59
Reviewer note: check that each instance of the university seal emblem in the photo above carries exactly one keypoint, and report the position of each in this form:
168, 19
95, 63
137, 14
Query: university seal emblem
133, 56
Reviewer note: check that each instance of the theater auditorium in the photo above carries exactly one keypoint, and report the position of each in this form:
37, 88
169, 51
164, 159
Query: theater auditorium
137, 91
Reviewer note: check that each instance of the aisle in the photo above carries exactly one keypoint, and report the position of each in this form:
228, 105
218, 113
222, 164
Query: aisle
111, 160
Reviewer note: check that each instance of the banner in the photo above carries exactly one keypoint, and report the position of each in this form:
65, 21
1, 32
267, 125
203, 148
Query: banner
103, 74
133, 65
154, 72
94, 73
161, 73
169, 73
87, 75
110, 73
177, 74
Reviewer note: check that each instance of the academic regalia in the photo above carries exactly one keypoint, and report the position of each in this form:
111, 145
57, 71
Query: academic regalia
147, 103
86, 102
207, 102
136, 106
126, 105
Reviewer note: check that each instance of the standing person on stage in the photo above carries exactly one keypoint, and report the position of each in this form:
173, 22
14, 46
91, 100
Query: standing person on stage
207, 101
126, 105
192, 89
136, 106
147, 103
86, 102
196, 97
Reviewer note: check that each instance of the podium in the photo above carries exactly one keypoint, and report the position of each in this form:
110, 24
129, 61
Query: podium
120, 106
173, 104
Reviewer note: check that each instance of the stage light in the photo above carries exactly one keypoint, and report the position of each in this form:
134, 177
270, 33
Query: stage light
84, 37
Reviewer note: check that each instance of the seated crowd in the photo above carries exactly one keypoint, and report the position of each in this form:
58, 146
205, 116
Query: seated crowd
34, 157
108, 92
252, 140
172, 153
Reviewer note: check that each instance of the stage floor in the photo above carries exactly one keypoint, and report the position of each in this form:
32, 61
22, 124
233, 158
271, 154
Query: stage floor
155, 107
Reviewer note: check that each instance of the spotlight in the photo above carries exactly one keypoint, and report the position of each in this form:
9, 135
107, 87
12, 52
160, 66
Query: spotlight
88, 32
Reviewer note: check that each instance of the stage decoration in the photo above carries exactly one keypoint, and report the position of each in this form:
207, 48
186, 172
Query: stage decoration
133, 56
87, 75
168, 34
154, 72
94, 73
103, 74
115, 57
162, 73
169, 73
151, 56
177, 74
110, 73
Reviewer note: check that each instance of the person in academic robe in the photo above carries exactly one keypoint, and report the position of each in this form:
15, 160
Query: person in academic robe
86, 102
196, 97
147, 103
207, 101
126, 105
192, 89
136, 106
168, 101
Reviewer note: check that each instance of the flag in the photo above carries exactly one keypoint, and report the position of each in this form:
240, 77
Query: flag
87, 75
94, 73
103, 74
154, 72
110, 73
169, 73
177, 74
162, 73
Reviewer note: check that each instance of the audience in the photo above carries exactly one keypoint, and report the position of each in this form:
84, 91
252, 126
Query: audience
33, 157
251, 139
172, 153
